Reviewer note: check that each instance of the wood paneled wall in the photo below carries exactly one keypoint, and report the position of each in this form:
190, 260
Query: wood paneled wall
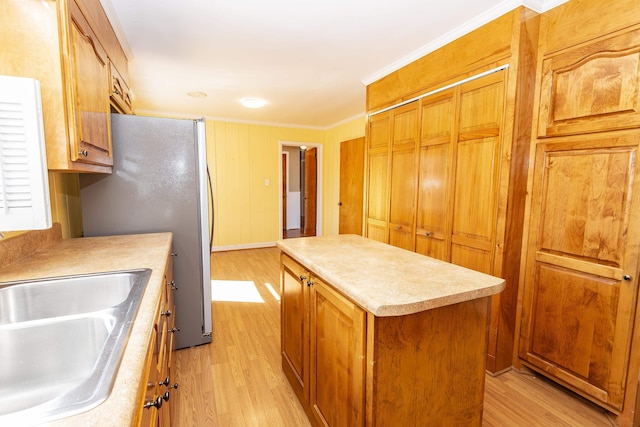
241, 156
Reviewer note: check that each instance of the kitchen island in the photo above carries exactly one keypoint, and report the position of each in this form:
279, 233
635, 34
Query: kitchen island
379, 336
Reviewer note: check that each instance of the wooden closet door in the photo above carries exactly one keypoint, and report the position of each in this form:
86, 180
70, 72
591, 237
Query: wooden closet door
478, 146
433, 225
377, 176
404, 175
581, 274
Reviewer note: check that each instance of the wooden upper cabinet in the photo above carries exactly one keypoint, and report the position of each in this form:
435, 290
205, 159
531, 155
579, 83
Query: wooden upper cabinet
592, 87
433, 231
379, 136
120, 92
581, 277
404, 162
476, 175
69, 46
89, 70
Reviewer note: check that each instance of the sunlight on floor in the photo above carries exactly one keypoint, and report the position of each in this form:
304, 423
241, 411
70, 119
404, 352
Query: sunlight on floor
235, 291
276, 296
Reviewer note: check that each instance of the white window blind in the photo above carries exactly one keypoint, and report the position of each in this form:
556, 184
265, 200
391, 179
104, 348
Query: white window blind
24, 186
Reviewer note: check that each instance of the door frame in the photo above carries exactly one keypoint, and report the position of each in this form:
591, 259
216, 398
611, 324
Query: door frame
319, 193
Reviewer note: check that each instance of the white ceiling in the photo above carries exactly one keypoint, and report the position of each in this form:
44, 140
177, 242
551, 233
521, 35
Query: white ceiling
309, 59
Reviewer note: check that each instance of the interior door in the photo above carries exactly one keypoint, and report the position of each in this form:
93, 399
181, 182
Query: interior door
284, 191
581, 275
404, 171
476, 173
433, 227
351, 186
310, 190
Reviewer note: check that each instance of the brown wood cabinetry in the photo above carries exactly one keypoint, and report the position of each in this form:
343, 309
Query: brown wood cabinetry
391, 184
580, 284
70, 47
295, 326
377, 173
323, 337
156, 406
457, 190
351, 368
337, 367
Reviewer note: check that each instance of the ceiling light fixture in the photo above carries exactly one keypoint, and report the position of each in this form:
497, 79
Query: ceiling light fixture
197, 94
253, 102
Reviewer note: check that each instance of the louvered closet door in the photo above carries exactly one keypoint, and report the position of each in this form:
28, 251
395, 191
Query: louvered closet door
377, 177
478, 145
404, 172
581, 275
433, 229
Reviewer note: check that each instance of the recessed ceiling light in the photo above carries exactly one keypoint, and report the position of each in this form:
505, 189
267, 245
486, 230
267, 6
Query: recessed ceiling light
253, 102
197, 94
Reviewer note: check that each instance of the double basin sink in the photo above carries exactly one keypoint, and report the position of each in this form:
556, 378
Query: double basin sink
61, 342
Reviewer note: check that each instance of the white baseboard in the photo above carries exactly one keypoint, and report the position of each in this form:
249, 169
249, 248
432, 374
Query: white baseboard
244, 246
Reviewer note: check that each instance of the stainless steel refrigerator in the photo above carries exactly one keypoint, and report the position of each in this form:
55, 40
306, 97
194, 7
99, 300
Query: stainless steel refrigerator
159, 183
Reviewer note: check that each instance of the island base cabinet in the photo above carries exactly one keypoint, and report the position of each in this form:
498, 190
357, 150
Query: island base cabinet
428, 368
351, 368
337, 358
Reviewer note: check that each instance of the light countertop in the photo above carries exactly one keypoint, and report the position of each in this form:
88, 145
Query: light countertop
102, 254
385, 280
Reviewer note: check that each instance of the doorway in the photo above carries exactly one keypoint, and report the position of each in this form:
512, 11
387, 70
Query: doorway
300, 189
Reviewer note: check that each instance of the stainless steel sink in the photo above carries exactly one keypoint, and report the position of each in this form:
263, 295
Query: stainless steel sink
61, 342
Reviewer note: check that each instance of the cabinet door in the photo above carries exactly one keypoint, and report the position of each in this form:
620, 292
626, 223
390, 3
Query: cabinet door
592, 88
379, 136
581, 272
90, 73
337, 358
433, 227
404, 146
295, 325
481, 111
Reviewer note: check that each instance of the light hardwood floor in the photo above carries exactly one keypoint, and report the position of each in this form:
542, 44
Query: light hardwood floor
237, 379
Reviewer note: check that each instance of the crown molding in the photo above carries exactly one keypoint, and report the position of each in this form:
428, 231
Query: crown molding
498, 10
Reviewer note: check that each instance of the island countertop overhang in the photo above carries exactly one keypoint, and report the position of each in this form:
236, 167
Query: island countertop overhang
385, 280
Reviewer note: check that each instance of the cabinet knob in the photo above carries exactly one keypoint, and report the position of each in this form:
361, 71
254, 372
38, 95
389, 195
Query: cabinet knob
157, 403
165, 382
627, 277
166, 313
398, 227
339, 203
309, 283
174, 330
428, 234
83, 153
166, 396
302, 277
173, 285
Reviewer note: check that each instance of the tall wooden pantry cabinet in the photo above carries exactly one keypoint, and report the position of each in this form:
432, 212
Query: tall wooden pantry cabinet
580, 286
448, 143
